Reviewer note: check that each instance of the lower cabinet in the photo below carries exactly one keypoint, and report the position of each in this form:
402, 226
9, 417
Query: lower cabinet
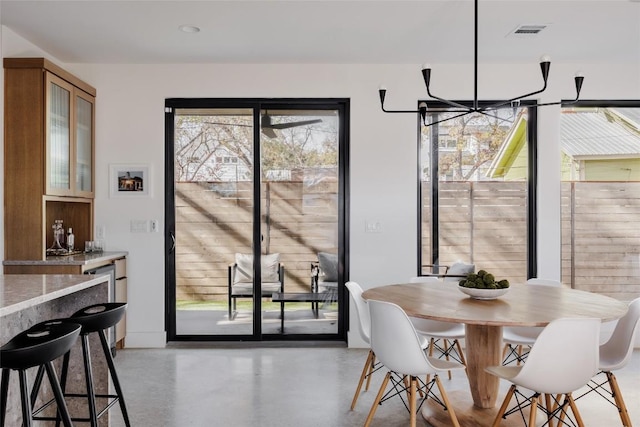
121, 296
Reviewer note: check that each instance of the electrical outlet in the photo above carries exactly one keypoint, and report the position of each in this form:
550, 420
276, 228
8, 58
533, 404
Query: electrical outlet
155, 228
101, 232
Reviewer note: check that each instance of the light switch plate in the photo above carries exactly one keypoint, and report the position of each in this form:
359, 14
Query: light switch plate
101, 232
139, 226
372, 226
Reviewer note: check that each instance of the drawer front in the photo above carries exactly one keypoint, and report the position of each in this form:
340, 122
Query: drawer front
121, 290
121, 268
121, 296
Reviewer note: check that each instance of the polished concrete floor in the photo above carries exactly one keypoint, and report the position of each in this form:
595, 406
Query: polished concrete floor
270, 385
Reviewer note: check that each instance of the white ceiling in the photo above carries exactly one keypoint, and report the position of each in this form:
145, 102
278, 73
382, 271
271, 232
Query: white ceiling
339, 31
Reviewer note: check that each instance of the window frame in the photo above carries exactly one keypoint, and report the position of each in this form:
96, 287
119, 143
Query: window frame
532, 196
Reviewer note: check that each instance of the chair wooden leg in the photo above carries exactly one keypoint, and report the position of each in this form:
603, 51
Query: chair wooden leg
365, 369
549, 406
446, 348
533, 410
462, 358
447, 403
431, 343
376, 402
505, 404
407, 386
519, 354
412, 401
617, 395
574, 409
371, 366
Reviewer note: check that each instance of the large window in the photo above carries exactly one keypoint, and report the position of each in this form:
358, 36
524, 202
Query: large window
474, 192
600, 149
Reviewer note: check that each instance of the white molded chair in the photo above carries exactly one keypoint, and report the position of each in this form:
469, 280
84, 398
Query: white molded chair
362, 310
398, 346
614, 355
563, 359
435, 330
370, 365
515, 338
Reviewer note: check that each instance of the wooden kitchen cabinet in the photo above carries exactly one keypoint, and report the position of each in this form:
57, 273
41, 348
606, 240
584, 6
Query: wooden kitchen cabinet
69, 118
121, 296
49, 117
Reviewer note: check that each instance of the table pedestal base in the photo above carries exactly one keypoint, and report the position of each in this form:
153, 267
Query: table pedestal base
468, 414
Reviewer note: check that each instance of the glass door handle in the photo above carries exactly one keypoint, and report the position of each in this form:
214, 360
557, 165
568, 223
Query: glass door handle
173, 242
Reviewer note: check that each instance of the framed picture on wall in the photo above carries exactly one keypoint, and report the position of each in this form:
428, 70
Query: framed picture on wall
129, 180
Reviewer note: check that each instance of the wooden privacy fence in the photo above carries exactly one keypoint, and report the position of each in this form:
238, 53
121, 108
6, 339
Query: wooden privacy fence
485, 223
601, 237
480, 222
214, 222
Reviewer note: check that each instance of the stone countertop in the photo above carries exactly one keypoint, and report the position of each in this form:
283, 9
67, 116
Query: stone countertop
79, 259
20, 291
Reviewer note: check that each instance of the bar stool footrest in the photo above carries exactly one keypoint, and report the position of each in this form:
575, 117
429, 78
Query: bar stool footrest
45, 405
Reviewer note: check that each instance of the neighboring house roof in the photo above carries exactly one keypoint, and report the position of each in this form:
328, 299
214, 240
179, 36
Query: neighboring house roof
510, 148
630, 115
596, 134
599, 133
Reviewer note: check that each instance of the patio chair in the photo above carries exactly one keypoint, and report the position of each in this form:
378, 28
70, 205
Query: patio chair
240, 278
324, 276
450, 273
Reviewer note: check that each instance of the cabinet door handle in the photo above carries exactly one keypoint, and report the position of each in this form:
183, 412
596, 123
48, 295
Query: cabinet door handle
173, 242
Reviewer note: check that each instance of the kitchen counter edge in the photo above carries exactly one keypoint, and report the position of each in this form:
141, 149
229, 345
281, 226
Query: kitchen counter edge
80, 259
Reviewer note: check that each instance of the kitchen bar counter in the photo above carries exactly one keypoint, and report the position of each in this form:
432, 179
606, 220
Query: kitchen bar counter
72, 264
79, 259
20, 291
26, 299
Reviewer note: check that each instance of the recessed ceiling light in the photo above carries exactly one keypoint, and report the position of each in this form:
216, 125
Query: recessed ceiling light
189, 29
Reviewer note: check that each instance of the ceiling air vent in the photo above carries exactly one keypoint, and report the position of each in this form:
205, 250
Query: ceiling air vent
528, 30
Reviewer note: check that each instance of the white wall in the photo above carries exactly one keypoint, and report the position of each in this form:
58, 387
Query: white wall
130, 129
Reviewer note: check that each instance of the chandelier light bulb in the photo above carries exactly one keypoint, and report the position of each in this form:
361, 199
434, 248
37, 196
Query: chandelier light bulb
579, 74
545, 58
426, 66
382, 87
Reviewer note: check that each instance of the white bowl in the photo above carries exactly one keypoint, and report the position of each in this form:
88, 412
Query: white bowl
484, 294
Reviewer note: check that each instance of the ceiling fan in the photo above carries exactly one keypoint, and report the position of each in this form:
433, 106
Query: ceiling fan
268, 127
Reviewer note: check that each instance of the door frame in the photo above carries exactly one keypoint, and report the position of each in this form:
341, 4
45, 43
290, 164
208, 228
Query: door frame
342, 105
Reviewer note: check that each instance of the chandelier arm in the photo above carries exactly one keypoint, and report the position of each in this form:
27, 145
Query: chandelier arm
495, 117
383, 92
452, 103
447, 119
578, 79
502, 104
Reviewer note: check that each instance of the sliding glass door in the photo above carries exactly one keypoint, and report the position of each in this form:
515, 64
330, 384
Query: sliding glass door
257, 195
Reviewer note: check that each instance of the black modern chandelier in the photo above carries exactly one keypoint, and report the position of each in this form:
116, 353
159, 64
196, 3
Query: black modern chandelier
460, 110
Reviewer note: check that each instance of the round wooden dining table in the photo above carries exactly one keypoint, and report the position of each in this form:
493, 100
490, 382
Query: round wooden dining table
522, 305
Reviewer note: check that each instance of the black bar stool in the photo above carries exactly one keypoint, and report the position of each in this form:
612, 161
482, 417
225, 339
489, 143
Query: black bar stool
94, 319
39, 346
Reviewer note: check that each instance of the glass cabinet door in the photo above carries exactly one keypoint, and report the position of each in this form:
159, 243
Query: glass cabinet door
83, 144
58, 136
